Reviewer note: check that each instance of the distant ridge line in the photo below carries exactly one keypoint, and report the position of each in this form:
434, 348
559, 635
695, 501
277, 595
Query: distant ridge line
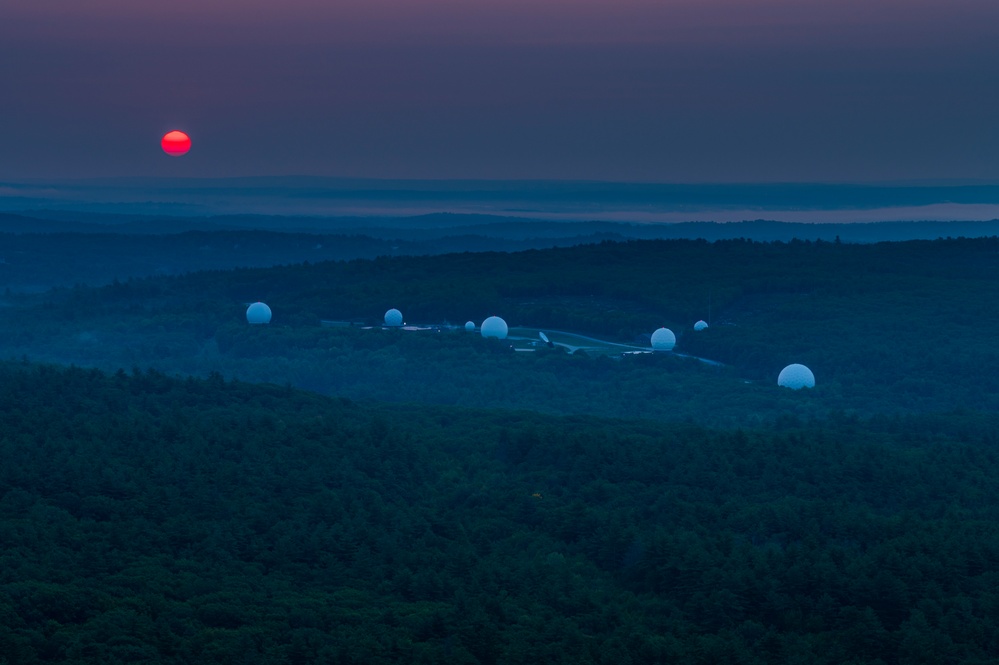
439, 226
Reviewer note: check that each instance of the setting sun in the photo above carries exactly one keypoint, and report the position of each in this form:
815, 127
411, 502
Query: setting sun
176, 143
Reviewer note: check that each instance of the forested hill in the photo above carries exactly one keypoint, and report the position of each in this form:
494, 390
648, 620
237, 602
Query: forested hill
149, 519
37, 253
36, 262
890, 327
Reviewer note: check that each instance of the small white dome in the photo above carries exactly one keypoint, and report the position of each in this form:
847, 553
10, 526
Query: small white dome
393, 318
701, 325
258, 313
470, 326
496, 327
796, 377
663, 340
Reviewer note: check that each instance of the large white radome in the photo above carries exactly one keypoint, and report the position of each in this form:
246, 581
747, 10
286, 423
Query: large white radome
393, 318
470, 326
796, 377
663, 340
701, 325
496, 327
258, 313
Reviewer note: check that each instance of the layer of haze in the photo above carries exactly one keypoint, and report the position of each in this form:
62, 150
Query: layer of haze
650, 90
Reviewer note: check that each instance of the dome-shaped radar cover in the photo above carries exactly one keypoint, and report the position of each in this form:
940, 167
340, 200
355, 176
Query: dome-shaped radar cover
470, 326
258, 313
663, 340
796, 377
496, 327
393, 318
701, 325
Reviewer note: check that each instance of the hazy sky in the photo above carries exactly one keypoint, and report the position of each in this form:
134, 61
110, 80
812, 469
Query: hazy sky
651, 90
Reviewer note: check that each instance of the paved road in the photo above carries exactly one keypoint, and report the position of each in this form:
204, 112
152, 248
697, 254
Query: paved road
630, 347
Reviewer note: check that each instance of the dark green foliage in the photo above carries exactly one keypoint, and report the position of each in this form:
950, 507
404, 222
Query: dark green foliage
150, 519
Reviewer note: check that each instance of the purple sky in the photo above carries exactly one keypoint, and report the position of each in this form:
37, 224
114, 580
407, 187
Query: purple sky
651, 90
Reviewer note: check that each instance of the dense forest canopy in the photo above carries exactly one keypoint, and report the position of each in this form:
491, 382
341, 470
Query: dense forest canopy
150, 519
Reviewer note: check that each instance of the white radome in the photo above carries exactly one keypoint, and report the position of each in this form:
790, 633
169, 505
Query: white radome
258, 313
393, 318
796, 377
470, 326
701, 325
496, 327
663, 340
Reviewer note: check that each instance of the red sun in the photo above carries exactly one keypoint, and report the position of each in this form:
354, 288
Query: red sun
176, 143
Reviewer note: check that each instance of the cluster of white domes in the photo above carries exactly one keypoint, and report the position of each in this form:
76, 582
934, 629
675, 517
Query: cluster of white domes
663, 340
494, 326
796, 377
393, 318
258, 313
